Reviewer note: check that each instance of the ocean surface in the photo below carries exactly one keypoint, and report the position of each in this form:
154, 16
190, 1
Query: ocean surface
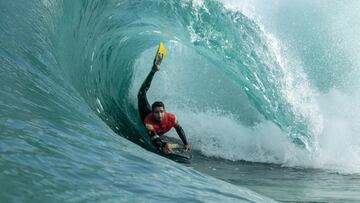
267, 93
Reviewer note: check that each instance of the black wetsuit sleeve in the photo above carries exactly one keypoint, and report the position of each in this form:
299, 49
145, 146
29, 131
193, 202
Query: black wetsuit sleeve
146, 84
181, 134
143, 103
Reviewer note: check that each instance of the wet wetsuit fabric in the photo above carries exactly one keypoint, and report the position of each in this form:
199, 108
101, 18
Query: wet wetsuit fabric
143, 104
145, 110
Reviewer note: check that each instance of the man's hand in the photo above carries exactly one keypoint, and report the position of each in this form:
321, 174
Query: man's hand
167, 148
157, 62
156, 67
187, 147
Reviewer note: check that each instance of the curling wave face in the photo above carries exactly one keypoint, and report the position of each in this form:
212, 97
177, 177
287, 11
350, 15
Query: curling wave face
72, 70
220, 46
227, 77
54, 146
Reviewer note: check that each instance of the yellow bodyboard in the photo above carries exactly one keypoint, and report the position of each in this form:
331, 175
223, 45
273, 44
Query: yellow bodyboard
161, 50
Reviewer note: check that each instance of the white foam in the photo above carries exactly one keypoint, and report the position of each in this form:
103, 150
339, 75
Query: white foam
339, 144
334, 115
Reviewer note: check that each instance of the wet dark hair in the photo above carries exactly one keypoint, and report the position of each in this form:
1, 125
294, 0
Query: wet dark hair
157, 104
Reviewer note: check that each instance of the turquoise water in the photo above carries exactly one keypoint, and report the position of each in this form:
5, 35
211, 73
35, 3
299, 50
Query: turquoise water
267, 95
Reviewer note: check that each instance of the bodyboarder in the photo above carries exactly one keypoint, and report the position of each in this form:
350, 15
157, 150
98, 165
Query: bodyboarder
156, 120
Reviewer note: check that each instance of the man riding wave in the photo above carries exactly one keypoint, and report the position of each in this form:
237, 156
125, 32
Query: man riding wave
156, 120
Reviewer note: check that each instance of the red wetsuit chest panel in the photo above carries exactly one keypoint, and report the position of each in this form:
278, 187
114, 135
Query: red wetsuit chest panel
164, 126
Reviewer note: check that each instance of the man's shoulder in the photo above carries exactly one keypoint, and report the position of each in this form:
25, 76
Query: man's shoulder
172, 118
170, 115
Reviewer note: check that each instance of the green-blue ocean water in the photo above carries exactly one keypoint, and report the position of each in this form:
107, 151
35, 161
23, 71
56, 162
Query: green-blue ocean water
267, 95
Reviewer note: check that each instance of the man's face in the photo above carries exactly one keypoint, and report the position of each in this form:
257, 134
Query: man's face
159, 113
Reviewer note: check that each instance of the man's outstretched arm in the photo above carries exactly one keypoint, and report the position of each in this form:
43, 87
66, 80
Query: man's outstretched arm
146, 84
182, 136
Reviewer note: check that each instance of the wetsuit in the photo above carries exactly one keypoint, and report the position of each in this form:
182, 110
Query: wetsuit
154, 128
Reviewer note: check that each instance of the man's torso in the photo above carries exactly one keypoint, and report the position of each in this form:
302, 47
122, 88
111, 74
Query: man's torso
164, 126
